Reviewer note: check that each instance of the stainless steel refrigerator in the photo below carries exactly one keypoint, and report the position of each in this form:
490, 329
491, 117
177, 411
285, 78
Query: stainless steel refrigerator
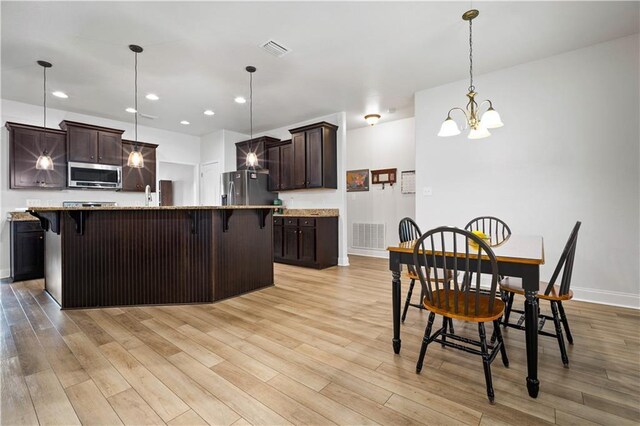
247, 188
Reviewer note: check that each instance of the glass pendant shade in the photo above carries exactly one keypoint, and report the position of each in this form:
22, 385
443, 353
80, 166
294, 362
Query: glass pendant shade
449, 128
44, 162
479, 133
135, 159
491, 119
252, 159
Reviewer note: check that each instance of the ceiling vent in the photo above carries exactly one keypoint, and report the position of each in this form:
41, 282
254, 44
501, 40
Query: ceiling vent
274, 48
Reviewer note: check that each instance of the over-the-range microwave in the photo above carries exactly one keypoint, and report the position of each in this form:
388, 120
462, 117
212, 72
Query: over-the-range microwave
97, 176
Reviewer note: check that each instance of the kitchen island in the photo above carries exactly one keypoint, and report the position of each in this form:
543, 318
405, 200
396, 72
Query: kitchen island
117, 256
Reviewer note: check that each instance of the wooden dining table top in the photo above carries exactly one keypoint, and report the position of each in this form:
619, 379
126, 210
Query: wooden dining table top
527, 249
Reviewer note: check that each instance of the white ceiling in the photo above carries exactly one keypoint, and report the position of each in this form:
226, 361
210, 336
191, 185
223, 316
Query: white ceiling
356, 57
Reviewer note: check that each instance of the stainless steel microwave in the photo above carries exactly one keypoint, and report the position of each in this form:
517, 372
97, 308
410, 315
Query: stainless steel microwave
97, 176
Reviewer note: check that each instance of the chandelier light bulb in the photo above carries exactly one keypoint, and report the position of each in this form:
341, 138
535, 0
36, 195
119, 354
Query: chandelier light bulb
252, 159
44, 162
491, 119
449, 128
135, 159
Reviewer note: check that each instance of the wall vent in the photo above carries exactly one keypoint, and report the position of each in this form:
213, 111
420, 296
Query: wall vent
147, 116
274, 48
369, 236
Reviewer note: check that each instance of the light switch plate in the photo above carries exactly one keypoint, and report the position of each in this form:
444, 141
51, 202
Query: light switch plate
427, 191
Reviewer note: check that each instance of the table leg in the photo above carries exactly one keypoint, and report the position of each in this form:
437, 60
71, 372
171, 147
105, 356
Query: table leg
396, 310
531, 325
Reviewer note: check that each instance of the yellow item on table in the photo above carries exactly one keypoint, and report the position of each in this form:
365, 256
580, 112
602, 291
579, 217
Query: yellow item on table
481, 235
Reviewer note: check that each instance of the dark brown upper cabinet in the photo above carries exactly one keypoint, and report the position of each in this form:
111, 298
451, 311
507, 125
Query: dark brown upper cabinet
26, 143
315, 163
88, 143
258, 145
134, 179
277, 157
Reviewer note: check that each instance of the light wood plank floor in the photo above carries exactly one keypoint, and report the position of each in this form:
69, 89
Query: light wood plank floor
314, 349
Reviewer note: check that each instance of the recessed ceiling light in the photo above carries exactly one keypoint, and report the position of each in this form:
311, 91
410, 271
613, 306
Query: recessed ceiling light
208, 112
152, 97
131, 110
185, 122
240, 100
59, 94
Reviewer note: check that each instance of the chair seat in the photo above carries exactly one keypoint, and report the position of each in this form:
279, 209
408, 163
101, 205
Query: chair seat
514, 285
484, 315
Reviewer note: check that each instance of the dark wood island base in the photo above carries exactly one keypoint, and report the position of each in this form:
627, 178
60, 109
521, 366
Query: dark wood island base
117, 256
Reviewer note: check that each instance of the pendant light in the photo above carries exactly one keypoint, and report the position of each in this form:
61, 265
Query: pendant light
135, 159
478, 128
44, 161
252, 157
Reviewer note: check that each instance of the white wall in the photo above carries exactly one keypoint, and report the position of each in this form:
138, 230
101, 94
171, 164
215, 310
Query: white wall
385, 145
183, 179
175, 147
322, 198
569, 151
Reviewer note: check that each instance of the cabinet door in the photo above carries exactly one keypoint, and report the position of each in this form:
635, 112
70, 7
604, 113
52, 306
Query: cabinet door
286, 166
55, 144
149, 171
299, 160
109, 148
314, 158
242, 149
25, 146
273, 164
308, 244
82, 144
278, 242
29, 255
290, 243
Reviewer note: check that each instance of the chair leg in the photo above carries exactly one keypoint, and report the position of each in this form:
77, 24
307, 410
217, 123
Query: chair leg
445, 326
451, 330
565, 323
408, 301
485, 362
503, 349
556, 322
425, 342
507, 311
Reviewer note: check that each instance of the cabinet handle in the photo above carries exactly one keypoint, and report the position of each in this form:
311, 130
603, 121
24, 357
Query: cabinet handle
42, 238
92, 157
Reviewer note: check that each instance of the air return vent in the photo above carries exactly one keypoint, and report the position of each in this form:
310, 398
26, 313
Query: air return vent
274, 48
369, 236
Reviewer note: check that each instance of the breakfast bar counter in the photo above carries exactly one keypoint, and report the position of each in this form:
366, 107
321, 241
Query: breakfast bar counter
117, 256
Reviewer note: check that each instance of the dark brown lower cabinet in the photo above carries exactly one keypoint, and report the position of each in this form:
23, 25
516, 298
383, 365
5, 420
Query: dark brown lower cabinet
27, 250
305, 241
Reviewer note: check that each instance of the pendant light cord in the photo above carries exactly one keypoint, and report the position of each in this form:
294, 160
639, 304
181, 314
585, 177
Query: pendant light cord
471, 86
251, 110
135, 85
44, 103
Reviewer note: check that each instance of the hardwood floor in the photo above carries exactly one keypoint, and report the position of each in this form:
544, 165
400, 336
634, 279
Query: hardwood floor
314, 349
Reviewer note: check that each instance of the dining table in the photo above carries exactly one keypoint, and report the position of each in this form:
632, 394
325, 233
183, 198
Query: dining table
517, 256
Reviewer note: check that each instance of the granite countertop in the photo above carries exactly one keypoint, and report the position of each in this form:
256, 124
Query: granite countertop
309, 213
55, 209
21, 217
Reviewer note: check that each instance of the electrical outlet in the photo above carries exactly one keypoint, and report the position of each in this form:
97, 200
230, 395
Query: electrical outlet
427, 191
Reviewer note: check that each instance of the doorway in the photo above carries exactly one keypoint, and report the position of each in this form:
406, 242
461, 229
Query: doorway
184, 178
210, 184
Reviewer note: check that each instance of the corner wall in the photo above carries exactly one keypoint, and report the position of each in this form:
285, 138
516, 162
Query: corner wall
569, 151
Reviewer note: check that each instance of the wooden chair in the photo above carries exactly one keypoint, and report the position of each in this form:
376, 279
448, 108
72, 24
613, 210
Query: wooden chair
459, 298
408, 230
495, 228
555, 294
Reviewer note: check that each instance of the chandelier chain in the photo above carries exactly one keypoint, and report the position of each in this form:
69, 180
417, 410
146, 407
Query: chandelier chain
44, 94
471, 86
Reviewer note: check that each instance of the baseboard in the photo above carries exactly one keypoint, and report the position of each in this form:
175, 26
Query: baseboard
604, 297
5, 273
343, 261
369, 253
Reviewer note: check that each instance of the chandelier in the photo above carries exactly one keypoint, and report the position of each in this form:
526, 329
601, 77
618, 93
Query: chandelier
478, 128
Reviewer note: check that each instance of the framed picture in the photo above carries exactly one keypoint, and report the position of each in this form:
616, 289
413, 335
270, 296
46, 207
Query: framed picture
384, 176
357, 180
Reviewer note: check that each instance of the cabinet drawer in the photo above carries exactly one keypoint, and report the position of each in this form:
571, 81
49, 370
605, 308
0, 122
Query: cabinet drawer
291, 221
28, 226
277, 221
307, 222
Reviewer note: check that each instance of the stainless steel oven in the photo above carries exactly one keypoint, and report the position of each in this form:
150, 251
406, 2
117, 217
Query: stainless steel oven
98, 176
